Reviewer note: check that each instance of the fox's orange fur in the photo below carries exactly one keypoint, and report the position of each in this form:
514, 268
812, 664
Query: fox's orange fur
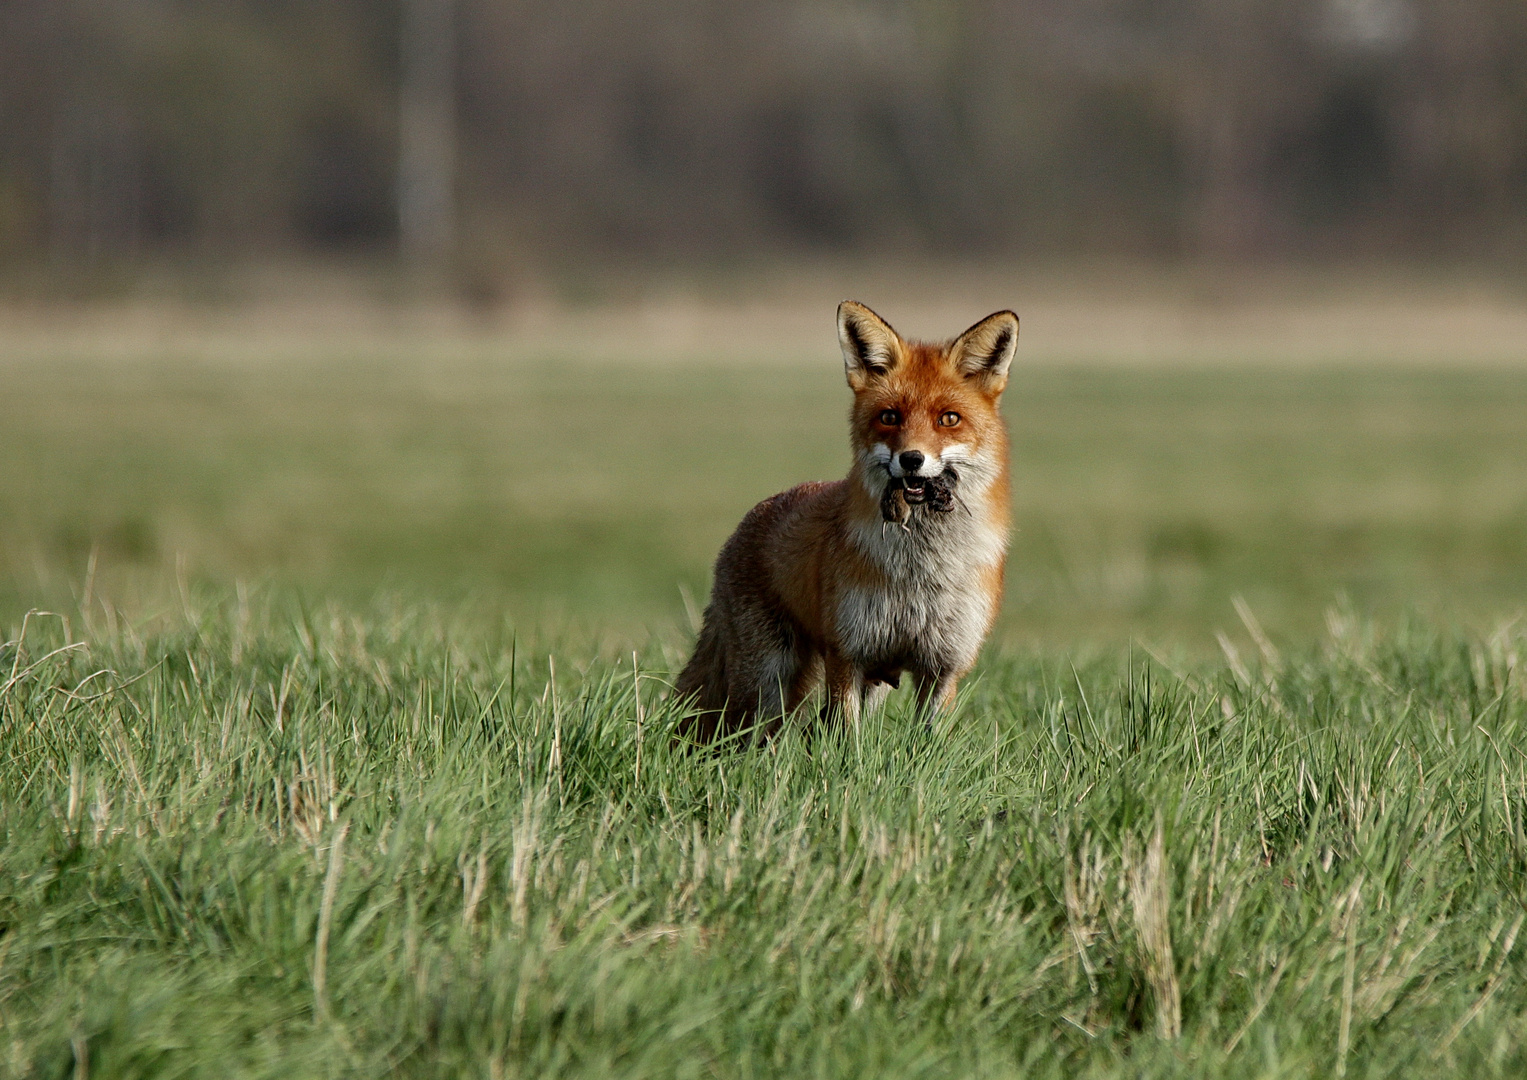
817, 583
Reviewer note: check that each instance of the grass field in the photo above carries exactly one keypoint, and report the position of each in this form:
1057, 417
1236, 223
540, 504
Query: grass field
348, 752
542, 486
277, 845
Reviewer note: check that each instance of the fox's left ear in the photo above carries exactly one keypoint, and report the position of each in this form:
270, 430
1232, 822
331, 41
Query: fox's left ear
985, 351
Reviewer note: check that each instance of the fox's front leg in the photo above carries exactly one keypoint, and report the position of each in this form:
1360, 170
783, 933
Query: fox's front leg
874, 696
845, 688
936, 691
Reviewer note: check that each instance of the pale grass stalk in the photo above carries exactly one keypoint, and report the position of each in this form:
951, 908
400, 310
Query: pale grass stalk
554, 763
473, 881
100, 813
120, 732
733, 850
1219, 918
691, 609
636, 691
1485, 995
1264, 644
525, 836
1348, 978
1233, 658
1262, 999
280, 701
1078, 920
89, 594
240, 621
76, 792
16, 676
183, 586
1150, 896
325, 916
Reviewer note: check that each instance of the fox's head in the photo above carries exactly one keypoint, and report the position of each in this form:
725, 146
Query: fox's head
925, 410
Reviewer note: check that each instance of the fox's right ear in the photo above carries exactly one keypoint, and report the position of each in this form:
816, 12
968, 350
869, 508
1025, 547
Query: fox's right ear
870, 347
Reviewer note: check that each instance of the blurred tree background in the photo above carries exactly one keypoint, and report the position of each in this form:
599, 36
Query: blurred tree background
138, 133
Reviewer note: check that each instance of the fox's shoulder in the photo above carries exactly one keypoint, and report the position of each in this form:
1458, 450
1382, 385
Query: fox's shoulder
799, 497
786, 513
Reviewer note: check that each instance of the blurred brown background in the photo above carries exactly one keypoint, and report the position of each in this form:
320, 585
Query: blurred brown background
518, 140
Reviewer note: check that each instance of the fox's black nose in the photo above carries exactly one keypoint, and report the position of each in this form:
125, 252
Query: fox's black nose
911, 460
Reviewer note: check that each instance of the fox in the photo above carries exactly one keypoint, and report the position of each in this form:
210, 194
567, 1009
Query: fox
896, 569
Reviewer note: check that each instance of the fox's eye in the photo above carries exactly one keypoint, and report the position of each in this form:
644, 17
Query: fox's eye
949, 419
889, 417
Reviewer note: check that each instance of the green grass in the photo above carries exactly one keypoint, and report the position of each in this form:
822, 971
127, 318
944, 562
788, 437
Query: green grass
329, 844
353, 756
1145, 500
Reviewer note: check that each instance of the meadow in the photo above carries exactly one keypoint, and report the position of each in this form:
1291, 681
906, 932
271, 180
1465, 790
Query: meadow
337, 742
559, 486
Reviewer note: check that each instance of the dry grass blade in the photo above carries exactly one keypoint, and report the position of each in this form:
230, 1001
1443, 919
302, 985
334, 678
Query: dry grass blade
325, 916
1269, 651
1233, 659
1485, 995
1348, 977
474, 879
1262, 999
1150, 898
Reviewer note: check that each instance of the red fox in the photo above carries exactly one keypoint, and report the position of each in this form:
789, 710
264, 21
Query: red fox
897, 568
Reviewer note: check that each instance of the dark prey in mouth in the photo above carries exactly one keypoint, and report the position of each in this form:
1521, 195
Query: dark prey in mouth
904, 492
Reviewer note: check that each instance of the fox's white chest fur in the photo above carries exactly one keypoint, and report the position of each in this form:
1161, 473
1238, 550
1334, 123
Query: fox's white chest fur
932, 604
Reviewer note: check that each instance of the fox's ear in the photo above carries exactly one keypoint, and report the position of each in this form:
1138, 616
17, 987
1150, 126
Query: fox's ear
985, 351
870, 346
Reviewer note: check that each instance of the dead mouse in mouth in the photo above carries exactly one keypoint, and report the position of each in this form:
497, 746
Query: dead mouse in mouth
893, 504
934, 492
